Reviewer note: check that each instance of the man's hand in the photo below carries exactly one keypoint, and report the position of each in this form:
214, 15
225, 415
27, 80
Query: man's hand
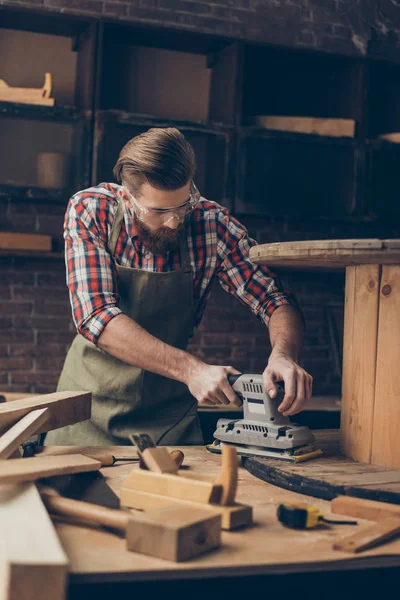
209, 385
298, 383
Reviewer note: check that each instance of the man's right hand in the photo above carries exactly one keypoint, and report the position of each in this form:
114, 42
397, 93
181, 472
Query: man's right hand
209, 385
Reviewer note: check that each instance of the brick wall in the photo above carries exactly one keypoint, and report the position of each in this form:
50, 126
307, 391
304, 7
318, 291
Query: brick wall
354, 27
36, 327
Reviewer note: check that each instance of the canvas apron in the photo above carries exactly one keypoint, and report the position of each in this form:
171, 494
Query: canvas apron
127, 399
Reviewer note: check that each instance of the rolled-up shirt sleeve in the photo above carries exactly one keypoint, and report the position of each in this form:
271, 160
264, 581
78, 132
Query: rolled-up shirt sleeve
91, 274
253, 285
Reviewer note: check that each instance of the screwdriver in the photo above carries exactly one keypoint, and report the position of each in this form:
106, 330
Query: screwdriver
304, 516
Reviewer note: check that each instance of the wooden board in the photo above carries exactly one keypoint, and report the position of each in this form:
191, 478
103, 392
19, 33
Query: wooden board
310, 125
364, 509
359, 360
65, 408
32, 561
330, 475
371, 536
386, 417
21, 431
31, 469
25, 241
325, 253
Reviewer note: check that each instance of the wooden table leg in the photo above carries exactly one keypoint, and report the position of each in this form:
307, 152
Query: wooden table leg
370, 420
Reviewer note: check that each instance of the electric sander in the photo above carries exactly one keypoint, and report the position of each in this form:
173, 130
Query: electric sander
263, 431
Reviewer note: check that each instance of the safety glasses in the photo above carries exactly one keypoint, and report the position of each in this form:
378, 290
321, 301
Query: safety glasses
162, 216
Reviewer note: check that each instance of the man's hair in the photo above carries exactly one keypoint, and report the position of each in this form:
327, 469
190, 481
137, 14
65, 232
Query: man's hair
161, 157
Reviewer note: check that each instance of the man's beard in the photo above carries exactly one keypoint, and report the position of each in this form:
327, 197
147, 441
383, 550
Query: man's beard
158, 241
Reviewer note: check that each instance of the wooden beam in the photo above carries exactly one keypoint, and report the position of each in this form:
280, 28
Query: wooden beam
359, 360
21, 431
32, 562
369, 537
386, 418
31, 469
65, 408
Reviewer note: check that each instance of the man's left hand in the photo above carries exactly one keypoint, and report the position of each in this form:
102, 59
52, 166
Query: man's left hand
298, 383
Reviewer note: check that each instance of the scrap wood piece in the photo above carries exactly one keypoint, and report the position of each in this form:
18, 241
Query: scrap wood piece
371, 536
371, 510
31, 469
65, 408
25, 241
21, 431
27, 95
32, 562
232, 517
174, 486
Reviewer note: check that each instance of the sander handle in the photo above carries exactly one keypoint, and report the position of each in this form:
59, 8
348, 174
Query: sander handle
233, 377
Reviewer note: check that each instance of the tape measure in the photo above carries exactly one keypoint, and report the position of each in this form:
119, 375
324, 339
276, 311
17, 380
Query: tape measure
304, 516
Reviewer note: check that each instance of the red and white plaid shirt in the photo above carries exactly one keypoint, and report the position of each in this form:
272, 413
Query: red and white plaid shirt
218, 246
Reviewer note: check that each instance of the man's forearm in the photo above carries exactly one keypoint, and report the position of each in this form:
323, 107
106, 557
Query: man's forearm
129, 342
286, 331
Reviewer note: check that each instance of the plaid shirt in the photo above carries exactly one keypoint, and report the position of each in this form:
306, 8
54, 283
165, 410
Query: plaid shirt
218, 246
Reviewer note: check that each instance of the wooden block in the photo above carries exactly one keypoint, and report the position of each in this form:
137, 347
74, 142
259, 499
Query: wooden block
174, 533
232, 517
310, 125
30, 469
386, 418
174, 486
25, 241
364, 509
372, 536
21, 431
32, 562
159, 460
65, 408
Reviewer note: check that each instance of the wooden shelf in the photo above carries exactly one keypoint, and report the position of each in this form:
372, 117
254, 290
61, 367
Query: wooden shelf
271, 134
120, 117
33, 255
26, 193
36, 111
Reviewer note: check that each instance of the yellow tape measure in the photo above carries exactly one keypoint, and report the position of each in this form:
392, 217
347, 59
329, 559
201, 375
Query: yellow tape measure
304, 516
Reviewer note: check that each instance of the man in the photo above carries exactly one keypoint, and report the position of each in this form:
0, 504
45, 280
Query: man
141, 258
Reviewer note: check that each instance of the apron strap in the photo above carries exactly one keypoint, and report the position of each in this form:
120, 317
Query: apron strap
184, 250
116, 227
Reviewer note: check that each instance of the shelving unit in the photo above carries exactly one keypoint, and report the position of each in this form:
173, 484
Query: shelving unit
118, 80
30, 46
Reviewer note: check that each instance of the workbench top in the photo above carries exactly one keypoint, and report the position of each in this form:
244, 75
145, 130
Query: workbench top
265, 548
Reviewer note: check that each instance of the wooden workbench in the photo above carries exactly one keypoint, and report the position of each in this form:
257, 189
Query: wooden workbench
99, 557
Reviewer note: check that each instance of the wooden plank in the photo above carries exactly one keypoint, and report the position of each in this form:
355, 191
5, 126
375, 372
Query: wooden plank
174, 486
232, 517
65, 408
310, 125
25, 241
364, 509
31, 469
21, 431
325, 253
359, 360
386, 418
368, 538
32, 562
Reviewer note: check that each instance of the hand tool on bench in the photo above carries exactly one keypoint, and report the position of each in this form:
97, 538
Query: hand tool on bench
171, 533
304, 516
263, 431
150, 489
156, 458
369, 537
